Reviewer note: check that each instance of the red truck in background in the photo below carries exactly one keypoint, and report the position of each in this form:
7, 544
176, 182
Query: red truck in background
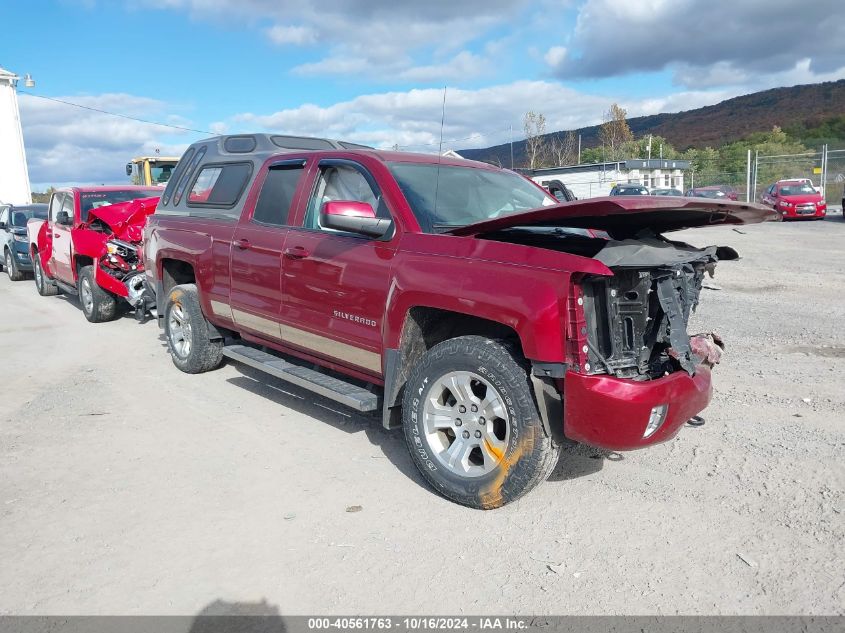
89, 246
488, 320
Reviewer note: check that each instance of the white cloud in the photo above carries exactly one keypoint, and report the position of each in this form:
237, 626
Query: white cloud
66, 144
296, 35
720, 42
381, 38
474, 118
555, 55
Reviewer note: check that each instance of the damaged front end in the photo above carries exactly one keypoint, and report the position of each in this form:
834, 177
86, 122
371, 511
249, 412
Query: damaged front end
120, 263
637, 319
633, 375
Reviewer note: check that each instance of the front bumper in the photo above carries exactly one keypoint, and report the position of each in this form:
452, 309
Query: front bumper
795, 214
613, 413
22, 259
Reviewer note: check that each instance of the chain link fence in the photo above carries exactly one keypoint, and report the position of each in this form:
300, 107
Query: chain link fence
708, 175
834, 185
767, 170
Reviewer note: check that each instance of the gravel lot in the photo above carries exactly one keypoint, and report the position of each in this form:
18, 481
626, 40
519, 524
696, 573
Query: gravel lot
129, 487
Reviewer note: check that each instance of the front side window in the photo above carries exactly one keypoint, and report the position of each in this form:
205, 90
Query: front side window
447, 196
220, 185
276, 197
67, 207
342, 182
56, 205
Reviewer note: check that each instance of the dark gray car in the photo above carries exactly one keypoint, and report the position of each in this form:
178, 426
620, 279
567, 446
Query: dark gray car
14, 244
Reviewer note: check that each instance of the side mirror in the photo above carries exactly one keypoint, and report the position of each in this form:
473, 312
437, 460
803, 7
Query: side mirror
62, 217
353, 217
128, 169
2, 226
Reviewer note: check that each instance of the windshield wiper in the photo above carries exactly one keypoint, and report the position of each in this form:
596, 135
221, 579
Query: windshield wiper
444, 228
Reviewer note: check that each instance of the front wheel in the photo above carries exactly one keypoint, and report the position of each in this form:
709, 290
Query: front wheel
12, 267
472, 425
97, 304
187, 332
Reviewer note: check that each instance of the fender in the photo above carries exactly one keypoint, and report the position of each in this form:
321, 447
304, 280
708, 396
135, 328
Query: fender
199, 251
88, 243
473, 279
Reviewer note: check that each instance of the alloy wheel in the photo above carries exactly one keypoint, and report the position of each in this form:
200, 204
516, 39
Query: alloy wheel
466, 424
87, 296
179, 331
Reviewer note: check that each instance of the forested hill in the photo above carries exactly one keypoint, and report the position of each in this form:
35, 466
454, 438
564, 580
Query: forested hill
794, 109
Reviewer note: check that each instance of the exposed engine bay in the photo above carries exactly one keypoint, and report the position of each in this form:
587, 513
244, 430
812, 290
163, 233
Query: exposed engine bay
637, 319
120, 265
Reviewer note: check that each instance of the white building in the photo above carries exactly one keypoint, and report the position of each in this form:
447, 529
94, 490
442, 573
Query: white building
597, 179
14, 177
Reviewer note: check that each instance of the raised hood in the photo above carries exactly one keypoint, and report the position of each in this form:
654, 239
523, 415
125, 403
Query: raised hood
125, 219
627, 216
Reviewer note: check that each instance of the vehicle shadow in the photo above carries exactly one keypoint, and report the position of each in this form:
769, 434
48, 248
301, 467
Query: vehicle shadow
576, 460
390, 443
249, 617
124, 310
580, 460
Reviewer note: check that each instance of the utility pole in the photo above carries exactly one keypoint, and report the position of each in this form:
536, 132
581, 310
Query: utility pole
748, 177
579, 149
824, 171
756, 166
511, 145
649, 147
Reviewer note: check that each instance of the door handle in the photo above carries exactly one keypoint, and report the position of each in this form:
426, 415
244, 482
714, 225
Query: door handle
55, 235
242, 244
297, 252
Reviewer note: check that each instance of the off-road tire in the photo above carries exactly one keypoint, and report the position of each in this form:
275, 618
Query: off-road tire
11, 267
530, 454
42, 284
202, 354
100, 305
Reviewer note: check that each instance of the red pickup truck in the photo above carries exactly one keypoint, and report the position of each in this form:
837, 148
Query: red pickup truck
487, 319
89, 246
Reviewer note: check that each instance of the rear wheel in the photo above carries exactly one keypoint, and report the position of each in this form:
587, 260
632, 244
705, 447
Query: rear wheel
472, 425
12, 268
42, 284
97, 304
187, 332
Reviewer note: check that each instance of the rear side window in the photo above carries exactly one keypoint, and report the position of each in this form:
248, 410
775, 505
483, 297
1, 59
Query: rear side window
276, 197
181, 166
219, 185
189, 171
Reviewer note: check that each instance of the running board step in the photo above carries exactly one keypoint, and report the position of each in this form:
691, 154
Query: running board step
346, 393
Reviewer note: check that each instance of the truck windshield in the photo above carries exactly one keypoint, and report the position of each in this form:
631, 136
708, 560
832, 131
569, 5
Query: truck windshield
160, 172
93, 199
464, 195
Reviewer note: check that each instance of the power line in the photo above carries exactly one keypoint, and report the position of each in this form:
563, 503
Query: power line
117, 114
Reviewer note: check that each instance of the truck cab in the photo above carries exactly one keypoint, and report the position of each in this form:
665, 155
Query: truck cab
151, 171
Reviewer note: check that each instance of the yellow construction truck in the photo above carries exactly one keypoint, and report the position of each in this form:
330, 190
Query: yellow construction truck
151, 170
